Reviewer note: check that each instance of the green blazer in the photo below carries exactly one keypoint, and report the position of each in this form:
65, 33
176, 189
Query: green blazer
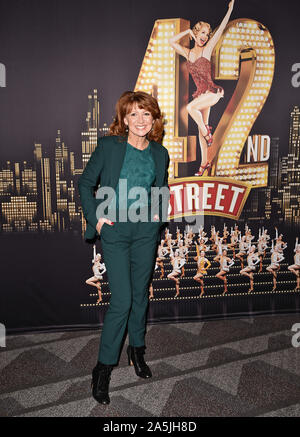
104, 167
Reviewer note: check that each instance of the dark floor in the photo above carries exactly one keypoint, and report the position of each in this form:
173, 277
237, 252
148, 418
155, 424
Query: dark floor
241, 367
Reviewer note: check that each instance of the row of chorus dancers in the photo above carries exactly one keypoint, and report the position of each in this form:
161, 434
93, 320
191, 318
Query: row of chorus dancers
243, 248
249, 254
178, 258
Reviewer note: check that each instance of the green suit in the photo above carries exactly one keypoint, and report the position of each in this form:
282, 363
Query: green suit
104, 167
129, 248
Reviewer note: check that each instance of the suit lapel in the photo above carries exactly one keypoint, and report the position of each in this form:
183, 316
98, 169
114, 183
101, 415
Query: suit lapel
158, 164
118, 158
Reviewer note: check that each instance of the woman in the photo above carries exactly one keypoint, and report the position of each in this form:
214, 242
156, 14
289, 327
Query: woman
280, 245
274, 267
225, 234
225, 264
261, 249
202, 235
199, 66
132, 155
217, 241
203, 264
243, 245
233, 242
183, 252
177, 262
161, 256
98, 269
202, 246
252, 260
295, 268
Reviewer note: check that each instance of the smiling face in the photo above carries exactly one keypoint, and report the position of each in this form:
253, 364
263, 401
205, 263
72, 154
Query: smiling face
139, 121
202, 35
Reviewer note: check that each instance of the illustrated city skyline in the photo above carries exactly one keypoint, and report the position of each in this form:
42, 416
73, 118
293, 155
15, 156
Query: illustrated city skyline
43, 196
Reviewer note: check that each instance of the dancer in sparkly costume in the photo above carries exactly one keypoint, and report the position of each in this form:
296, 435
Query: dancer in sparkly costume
199, 66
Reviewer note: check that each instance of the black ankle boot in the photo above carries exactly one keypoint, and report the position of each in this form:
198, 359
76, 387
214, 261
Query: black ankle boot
136, 357
100, 382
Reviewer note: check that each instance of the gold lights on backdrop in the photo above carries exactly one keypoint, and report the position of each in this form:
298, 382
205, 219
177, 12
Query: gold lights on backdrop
245, 53
159, 76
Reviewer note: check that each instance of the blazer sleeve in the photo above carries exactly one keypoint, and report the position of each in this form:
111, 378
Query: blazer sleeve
89, 181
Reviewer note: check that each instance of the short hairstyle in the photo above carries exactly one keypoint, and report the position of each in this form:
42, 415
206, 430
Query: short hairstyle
197, 27
144, 101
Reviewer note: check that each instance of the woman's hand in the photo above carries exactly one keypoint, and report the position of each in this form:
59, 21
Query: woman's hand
156, 217
231, 4
100, 223
192, 34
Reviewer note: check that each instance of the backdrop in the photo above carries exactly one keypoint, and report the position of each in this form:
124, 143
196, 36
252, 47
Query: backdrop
63, 66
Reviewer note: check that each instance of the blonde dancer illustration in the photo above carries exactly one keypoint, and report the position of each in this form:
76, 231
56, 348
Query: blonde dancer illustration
236, 230
202, 235
178, 235
169, 241
261, 249
233, 241
161, 256
190, 235
187, 242
161, 253
274, 267
212, 234
203, 264
183, 253
248, 235
225, 264
177, 263
199, 66
295, 268
225, 234
217, 240
252, 260
202, 246
98, 269
151, 296
280, 245
265, 234
243, 246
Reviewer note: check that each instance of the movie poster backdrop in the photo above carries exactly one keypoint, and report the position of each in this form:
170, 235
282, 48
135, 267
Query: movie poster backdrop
231, 245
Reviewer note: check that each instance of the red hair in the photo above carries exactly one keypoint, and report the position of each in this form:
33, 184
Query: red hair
144, 101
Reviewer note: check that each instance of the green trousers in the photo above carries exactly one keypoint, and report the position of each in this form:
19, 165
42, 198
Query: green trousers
129, 252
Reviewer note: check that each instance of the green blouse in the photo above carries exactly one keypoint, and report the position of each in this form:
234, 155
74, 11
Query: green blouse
139, 170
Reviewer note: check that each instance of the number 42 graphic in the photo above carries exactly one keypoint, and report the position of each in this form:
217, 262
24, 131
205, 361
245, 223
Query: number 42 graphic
245, 53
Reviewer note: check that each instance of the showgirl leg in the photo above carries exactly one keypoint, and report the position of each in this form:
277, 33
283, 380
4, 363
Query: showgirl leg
199, 110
